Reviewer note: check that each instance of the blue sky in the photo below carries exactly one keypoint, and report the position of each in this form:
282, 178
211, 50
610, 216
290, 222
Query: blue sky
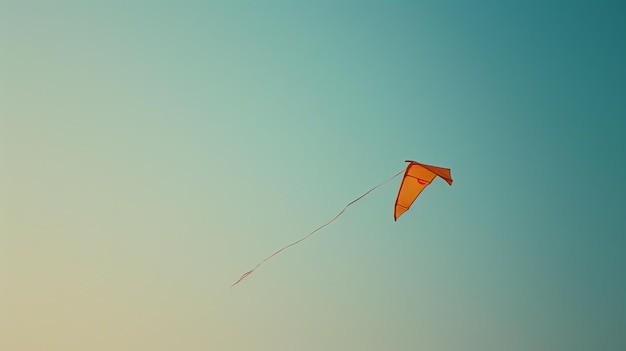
154, 151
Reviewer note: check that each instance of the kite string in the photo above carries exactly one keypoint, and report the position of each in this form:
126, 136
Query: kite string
316, 230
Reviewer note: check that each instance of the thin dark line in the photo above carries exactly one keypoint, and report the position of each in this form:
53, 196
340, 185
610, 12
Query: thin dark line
313, 232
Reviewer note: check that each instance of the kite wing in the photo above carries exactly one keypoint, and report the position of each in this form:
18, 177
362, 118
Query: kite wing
417, 177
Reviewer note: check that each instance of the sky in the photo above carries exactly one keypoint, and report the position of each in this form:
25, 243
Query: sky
153, 151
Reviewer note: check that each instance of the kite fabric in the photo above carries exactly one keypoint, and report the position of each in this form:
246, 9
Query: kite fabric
417, 176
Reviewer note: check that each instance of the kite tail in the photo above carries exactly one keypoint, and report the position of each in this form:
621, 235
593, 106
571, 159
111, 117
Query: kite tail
243, 276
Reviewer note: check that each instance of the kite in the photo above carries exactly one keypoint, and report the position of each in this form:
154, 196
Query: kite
417, 176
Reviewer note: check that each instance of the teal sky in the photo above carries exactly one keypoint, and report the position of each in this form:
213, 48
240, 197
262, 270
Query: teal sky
152, 151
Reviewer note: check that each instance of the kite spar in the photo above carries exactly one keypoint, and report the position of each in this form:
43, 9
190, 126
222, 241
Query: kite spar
417, 176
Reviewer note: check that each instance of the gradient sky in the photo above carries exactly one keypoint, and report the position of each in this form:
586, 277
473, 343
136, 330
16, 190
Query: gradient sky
152, 151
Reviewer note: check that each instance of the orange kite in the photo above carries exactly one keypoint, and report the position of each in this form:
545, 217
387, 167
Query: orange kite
417, 176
